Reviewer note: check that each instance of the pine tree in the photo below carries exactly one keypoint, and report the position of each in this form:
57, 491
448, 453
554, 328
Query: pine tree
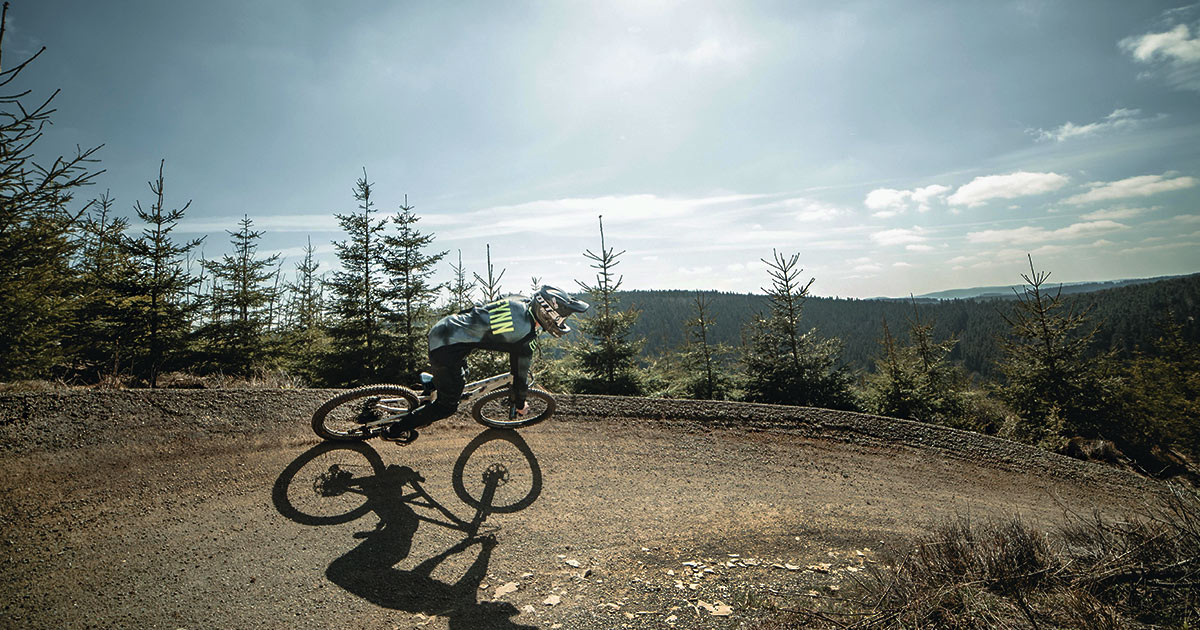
305, 341
158, 292
37, 282
357, 332
784, 365
1050, 381
462, 291
706, 376
238, 334
1162, 406
490, 286
411, 292
917, 381
607, 357
489, 363
307, 308
97, 337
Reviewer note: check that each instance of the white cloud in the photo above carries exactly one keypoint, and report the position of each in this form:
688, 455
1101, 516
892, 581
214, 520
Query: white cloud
1029, 234
899, 236
882, 198
1175, 51
813, 210
1176, 45
901, 264
1118, 120
867, 269
1140, 186
889, 202
922, 196
1191, 245
919, 248
578, 215
1115, 214
1020, 184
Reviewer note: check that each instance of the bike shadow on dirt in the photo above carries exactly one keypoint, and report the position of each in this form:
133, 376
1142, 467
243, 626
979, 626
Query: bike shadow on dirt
339, 482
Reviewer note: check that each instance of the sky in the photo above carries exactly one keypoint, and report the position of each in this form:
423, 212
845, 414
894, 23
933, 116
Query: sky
896, 146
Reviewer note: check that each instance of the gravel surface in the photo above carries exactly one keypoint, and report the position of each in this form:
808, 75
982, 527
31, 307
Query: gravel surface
192, 508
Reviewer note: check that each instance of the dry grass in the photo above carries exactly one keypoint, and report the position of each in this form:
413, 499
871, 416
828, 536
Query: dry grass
1141, 572
260, 379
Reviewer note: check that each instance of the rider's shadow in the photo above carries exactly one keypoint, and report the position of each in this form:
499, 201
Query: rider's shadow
497, 472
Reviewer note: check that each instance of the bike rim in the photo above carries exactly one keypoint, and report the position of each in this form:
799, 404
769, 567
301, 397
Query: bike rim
494, 410
364, 417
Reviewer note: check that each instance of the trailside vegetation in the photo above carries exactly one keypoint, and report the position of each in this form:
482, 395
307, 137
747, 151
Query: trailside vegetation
235, 339
785, 364
1050, 382
708, 374
357, 328
607, 353
1092, 572
916, 380
411, 293
38, 225
158, 288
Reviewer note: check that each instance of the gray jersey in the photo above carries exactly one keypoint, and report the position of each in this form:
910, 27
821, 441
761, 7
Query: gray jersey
506, 325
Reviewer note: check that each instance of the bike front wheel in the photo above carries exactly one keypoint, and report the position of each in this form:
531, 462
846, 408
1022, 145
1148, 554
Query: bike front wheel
362, 413
494, 409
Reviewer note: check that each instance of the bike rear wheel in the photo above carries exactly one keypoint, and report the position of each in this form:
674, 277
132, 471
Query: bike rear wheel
362, 413
493, 410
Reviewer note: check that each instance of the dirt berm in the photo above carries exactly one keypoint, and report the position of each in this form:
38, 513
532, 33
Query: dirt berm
201, 509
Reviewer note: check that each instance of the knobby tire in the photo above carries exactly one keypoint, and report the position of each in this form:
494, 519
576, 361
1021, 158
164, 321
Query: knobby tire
333, 420
492, 410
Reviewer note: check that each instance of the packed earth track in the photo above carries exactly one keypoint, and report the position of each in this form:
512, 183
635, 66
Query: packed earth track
199, 509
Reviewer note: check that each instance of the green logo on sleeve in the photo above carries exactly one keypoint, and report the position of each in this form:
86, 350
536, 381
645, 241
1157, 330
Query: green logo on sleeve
500, 317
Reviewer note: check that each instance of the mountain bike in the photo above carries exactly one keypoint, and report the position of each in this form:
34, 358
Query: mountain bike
366, 412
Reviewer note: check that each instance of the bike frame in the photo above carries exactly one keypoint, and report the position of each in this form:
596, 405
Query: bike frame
481, 387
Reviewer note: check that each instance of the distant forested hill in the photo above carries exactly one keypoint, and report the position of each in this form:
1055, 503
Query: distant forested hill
1129, 317
1007, 291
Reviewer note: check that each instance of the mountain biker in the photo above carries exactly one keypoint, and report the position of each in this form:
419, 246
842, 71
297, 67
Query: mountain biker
508, 325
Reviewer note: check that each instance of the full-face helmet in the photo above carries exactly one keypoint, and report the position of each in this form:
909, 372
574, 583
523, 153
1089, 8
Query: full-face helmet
551, 308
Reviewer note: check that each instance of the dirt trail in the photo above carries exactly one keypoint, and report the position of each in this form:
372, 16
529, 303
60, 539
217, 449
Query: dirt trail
625, 513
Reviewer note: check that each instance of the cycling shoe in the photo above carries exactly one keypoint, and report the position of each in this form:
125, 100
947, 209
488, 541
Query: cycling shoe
403, 437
